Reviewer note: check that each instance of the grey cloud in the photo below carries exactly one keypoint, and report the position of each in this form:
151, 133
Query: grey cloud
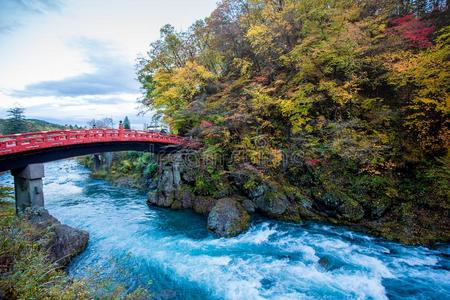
14, 12
113, 75
38, 6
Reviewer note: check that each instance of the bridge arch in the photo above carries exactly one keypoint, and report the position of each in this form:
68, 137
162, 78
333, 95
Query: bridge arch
24, 154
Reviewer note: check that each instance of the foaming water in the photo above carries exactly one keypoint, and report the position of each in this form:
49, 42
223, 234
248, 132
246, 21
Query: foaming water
173, 255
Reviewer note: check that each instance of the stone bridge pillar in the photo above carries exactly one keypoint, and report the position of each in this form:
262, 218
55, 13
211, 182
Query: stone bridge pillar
28, 187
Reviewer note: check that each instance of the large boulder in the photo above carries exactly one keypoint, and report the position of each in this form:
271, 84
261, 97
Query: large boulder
61, 241
273, 203
203, 205
249, 205
228, 218
266, 196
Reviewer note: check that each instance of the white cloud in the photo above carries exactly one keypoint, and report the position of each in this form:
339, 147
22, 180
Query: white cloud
40, 49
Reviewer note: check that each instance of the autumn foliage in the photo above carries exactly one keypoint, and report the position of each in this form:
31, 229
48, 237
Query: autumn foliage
415, 30
357, 90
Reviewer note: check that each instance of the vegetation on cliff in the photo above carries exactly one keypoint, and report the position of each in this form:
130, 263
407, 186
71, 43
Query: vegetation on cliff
343, 104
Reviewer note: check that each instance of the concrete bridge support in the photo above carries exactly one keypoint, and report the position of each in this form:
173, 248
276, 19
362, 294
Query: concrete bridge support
28, 187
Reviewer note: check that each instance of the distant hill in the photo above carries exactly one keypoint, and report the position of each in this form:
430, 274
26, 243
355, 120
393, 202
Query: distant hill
33, 125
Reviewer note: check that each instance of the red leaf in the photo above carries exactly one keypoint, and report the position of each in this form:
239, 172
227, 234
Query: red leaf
414, 30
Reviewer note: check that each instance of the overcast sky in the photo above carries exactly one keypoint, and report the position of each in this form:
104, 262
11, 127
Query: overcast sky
69, 61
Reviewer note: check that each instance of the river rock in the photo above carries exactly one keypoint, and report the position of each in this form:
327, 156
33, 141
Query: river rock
249, 205
351, 210
228, 218
166, 183
61, 241
124, 182
186, 200
203, 205
168, 188
342, 207
160, 199
273, 203
265, 196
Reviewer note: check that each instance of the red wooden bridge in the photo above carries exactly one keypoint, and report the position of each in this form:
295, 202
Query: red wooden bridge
19, 150
25, 142
24, 153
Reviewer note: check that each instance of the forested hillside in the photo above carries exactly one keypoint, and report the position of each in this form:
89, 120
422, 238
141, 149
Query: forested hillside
340, 108
17, 123
31, 125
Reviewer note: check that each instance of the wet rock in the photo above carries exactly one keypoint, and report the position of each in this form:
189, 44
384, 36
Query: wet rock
168, 187
228, 218
341, 207
324, 262
203, 205
377, 207
61, 241
125, 182
351, 210
248, 205
272, 203
160, 199
176, 204
329, 263
186, 200
292, 213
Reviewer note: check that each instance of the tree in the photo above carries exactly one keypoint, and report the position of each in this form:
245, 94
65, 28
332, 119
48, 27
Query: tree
126, 123
16, 121
102, 123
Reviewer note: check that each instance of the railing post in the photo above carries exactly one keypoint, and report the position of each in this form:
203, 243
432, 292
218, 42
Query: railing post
121, 130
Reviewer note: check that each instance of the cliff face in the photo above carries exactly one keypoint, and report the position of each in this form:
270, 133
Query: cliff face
304, 189
243, 194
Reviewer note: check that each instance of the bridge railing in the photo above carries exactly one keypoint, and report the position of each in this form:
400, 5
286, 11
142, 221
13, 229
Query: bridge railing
23, 142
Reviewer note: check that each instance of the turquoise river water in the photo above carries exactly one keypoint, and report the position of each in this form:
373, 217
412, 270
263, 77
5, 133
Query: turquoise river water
173, 255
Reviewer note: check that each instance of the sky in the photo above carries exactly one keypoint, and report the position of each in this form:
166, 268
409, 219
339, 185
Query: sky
69, 61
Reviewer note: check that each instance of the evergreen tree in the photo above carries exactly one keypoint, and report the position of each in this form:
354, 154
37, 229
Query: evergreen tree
126, 123
16, 121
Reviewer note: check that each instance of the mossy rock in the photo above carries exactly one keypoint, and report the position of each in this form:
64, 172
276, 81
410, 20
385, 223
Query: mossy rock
377, 207
351, 210
203, 205
341, 206
228, 218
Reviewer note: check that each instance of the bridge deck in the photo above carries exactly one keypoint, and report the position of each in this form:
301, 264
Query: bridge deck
19, 150
26, 142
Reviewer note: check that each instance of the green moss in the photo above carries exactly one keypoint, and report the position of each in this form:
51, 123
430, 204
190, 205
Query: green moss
251, 183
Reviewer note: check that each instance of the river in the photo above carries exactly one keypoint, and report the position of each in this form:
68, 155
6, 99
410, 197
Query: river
173, 255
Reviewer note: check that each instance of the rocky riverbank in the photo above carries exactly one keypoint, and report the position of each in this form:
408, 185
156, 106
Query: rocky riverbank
35, 249
61, 242
229, 204
244, 194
